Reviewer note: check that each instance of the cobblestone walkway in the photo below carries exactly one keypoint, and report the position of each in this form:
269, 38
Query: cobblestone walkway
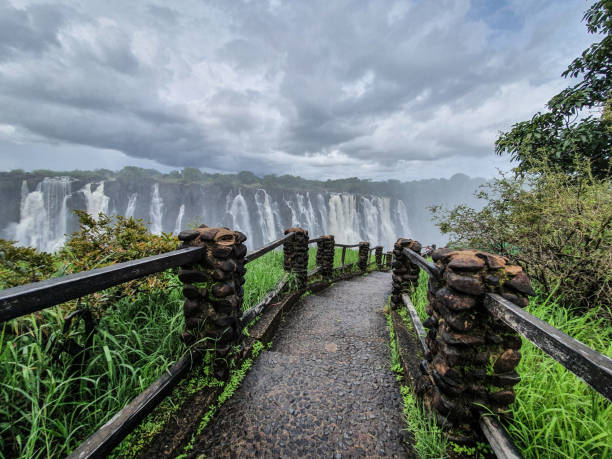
324, 389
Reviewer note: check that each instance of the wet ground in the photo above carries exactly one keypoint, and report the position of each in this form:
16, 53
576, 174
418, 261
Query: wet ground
324, 389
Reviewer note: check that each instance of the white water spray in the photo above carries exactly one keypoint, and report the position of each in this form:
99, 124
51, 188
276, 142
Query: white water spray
178, 225
266, 215
239, 213
131, 206
156, 210
43, 215
95, 201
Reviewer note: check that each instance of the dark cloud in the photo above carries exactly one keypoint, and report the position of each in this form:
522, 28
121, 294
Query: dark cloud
274, 86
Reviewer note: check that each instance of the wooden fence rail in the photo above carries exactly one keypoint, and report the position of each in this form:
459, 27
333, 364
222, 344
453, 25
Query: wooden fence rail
25, 299
267, 248
591, 366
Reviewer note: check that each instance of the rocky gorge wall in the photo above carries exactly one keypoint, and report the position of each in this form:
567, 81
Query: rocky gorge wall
36, 209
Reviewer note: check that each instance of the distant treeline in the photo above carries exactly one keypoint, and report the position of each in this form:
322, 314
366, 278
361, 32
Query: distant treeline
393, 188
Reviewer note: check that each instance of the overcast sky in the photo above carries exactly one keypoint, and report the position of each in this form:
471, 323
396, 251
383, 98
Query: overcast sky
322, 89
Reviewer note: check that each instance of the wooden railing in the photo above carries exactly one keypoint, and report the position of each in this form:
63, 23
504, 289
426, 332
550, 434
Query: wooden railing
19, 301
591, 366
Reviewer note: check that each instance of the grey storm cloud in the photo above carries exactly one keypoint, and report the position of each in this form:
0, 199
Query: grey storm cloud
264, 85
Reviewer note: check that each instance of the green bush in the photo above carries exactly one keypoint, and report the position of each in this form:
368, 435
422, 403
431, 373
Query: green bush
558, 227
22, 265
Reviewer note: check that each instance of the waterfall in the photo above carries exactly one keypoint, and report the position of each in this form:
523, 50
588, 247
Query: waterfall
95, 201
43, 215
402, 213
156, 210
131, 207
370, 219
178, 226
266, 215
322, 208
387, 234
306, 213
24, 194
342, 218
239, 213
294, 215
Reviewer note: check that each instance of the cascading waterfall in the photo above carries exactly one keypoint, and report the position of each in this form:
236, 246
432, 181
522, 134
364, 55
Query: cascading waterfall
131, 206
178, 225
24, 194
266, 215
371, 220
306, 213
322, 208
43, 215
156, 210
402, 213
95, 201
387, 235
342, 221
239, 213
294, 215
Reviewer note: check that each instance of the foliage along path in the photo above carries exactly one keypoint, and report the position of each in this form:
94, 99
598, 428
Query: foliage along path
324, 389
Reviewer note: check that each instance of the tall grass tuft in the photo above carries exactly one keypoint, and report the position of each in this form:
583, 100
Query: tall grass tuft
45, 411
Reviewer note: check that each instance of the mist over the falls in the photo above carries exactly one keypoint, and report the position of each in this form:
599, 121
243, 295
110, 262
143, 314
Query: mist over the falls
37, 209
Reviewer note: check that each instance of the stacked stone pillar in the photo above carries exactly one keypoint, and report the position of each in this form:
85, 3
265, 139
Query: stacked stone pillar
378, 254
325, 256
405, 273
296, 255
388, 259
362, 255
214, 290
472, 356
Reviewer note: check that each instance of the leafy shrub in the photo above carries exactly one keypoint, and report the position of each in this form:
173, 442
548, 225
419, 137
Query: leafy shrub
558, 227
21, 265
108, 240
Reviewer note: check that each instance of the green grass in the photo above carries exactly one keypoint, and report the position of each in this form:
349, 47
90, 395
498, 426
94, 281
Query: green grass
428, 441
350, 257
555, 413
261, 276
46, 412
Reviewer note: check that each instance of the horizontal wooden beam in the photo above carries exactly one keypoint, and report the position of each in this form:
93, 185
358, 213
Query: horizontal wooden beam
348, 246
416, 322
314, 241
417, 259
25, 299
498, 438
591, 366
101, 443
253, 255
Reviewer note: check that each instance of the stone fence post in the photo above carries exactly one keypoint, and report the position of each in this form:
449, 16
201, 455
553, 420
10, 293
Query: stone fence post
405, 273
325, 256
296, 255
362, 255
378, 254
472, 355
388, 259
213, 292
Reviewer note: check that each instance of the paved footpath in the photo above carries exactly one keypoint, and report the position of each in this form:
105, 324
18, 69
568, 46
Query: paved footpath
325, 389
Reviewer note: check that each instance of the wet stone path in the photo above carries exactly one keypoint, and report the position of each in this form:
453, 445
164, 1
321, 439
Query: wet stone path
324, 389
